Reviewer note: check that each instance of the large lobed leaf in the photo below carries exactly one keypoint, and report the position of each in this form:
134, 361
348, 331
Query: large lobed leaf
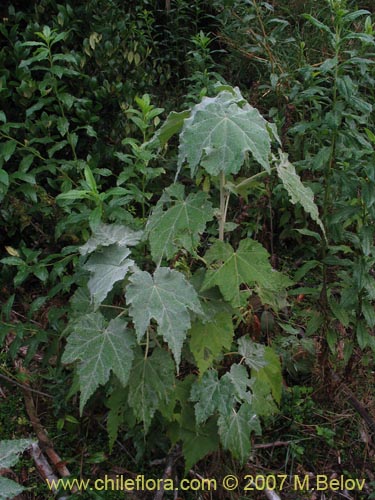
109, 234
9, 489
180, 225
235, 431
219, 133
167, 298
99, 349
248, 265
10, 451
9, 455
107, 267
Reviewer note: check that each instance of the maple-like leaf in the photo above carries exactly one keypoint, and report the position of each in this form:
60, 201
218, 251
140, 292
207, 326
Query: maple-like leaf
165, 297
248, 265
9, 455
297, 191
211, 395
106, 267
219, 133
151, 382
99, 349
109, 234
9, 489
208, 340
252, 352
10, 450
179, 225
235, 430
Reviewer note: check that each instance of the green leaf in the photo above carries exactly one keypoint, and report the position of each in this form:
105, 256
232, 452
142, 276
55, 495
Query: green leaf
62, 125
150, 384
168, 297
270, 375
235, 431
368, 312
180, 225
7, 149
211, 395
219, 133
9, 489
197, 441
118, 412
172, 125
99, 349
208, 340
11, 449
248, 265
108, 234
107, 267
253, 353
297, 191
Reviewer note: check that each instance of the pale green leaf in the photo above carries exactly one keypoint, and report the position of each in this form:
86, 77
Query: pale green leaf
211, 395
11, 449
253, 353
108, 234
219, 133
99, 349
107, 267
180, 224
150, 384
235, 431
238, 376
167, 298
297, 191
9, 489
248, 265
208, 340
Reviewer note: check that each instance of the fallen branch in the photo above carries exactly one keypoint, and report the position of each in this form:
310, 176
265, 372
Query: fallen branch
45, 469
271, 445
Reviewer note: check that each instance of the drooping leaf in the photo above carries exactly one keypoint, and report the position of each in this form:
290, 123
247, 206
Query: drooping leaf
108, 234
297, 191
9, 489
119, 413
235, 431
197, 440
167, 298
150, 384
180, 225
107, 267
208, 340
172, 125
10, 451
270, 375
248, 265
99, 349
219, 133
211, 395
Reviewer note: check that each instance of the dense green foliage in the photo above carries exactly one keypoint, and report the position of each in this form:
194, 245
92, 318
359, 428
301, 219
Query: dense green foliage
187, 213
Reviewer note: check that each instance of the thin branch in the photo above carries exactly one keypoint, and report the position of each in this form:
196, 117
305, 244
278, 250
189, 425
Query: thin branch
25, 387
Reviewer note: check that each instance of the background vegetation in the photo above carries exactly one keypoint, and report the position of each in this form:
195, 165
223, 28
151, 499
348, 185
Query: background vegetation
84, 88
